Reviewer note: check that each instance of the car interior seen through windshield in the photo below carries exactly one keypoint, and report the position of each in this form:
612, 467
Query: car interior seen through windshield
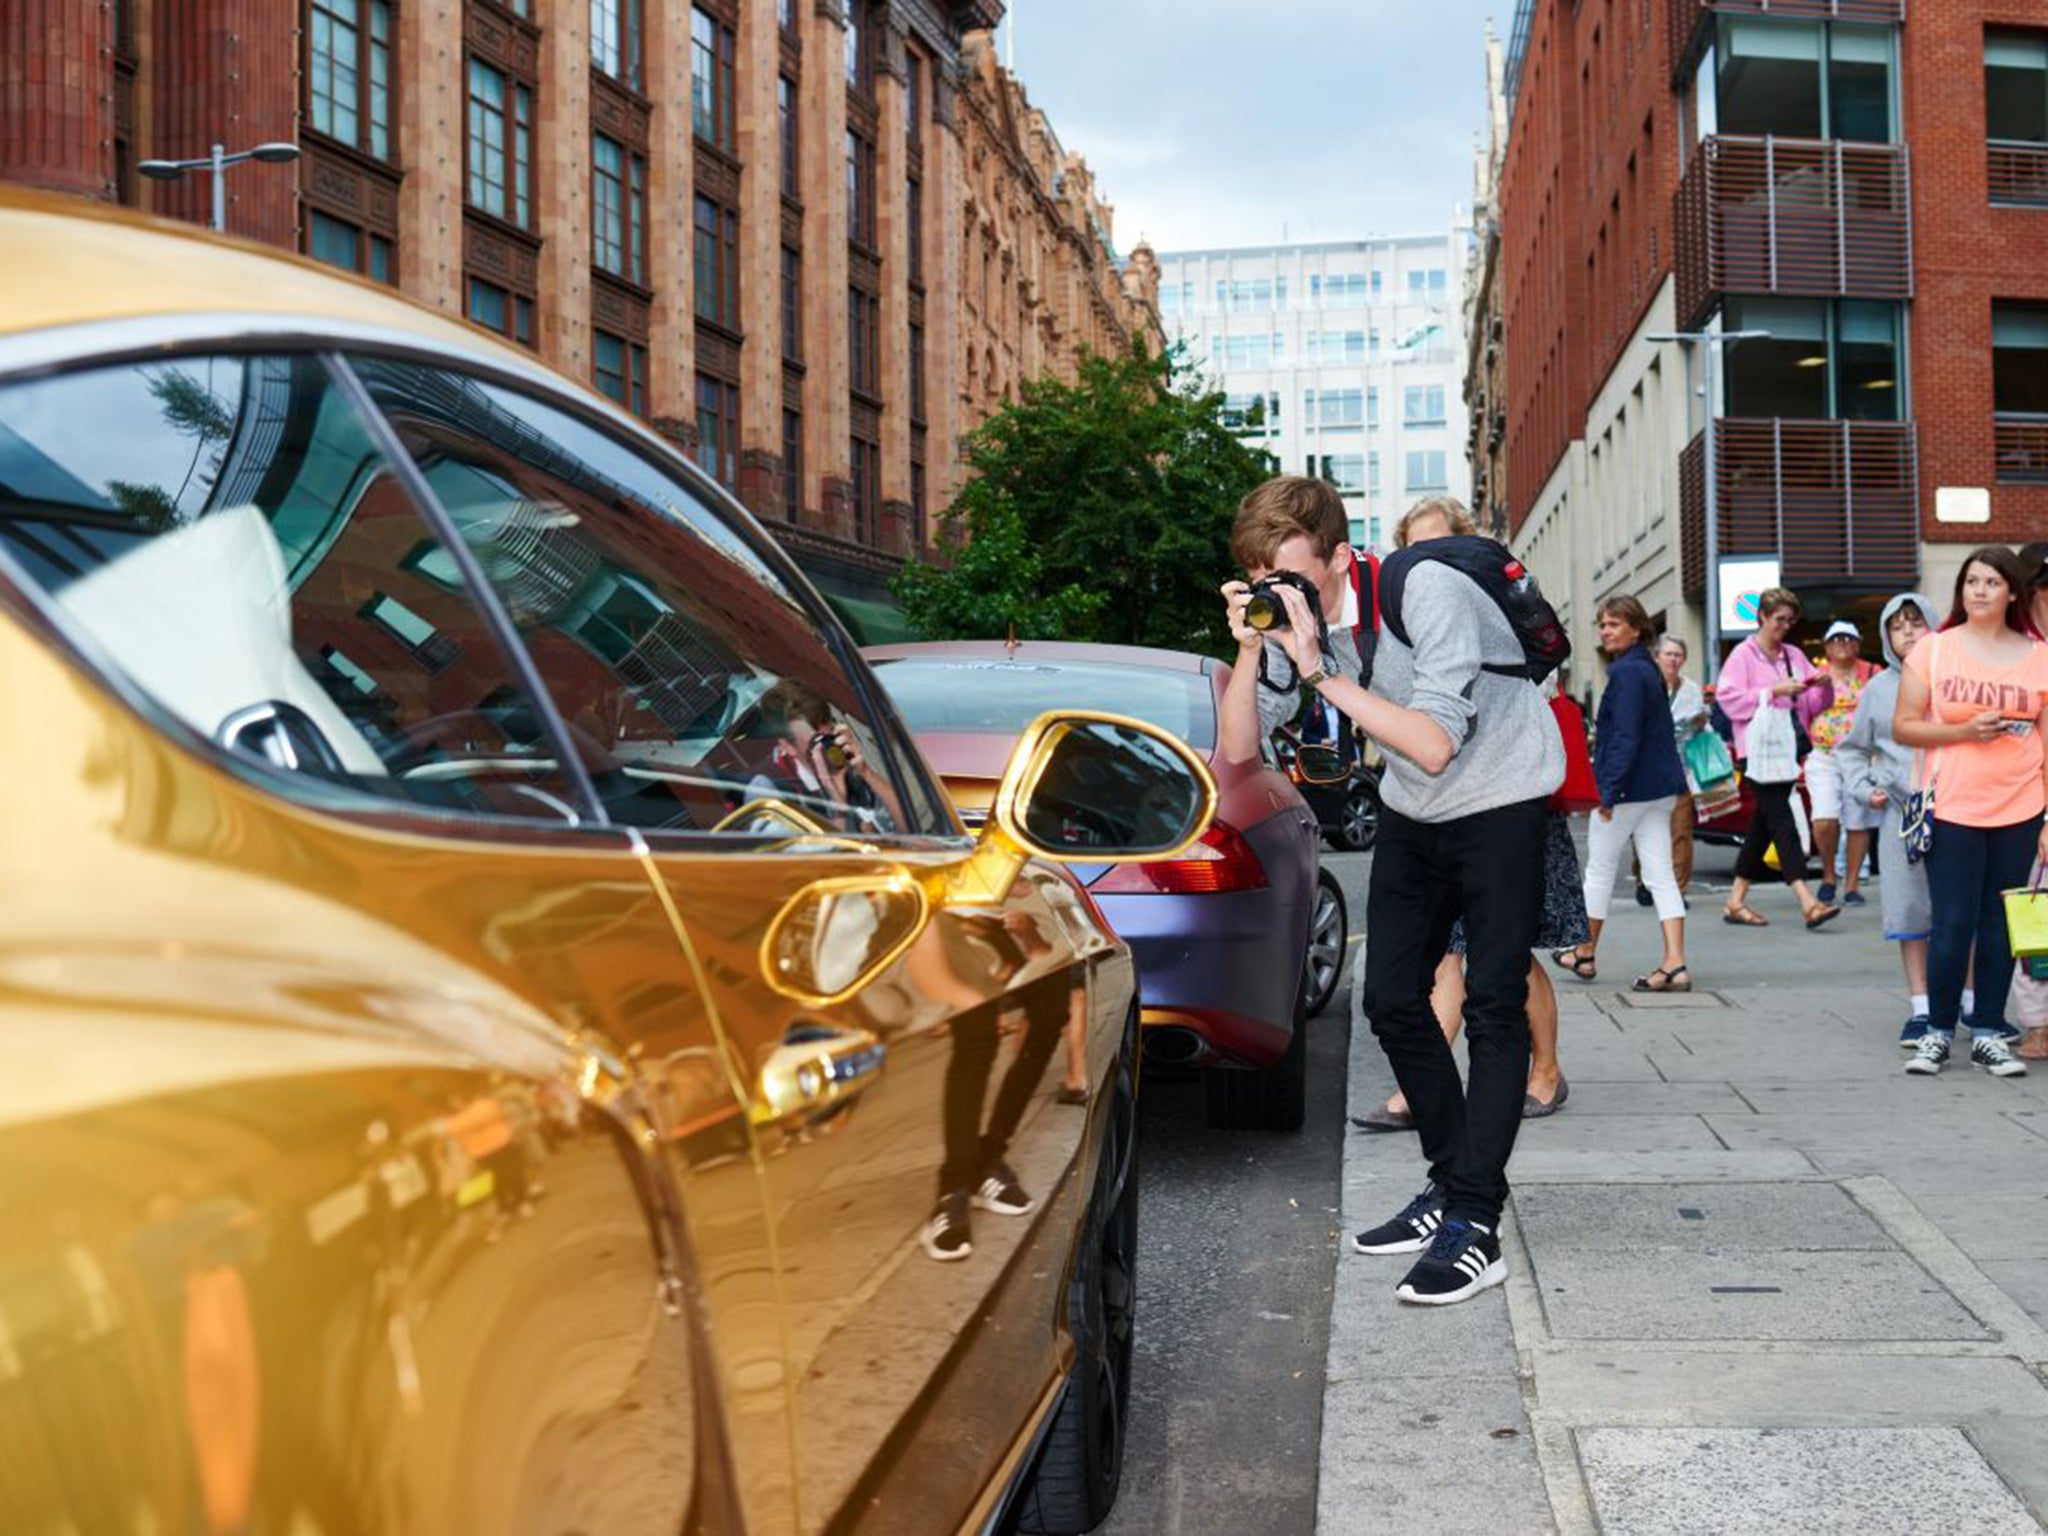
987, 696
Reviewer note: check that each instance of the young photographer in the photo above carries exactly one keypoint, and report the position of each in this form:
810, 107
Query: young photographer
1472, 756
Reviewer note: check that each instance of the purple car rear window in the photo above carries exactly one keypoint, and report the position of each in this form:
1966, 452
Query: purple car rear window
1000, 698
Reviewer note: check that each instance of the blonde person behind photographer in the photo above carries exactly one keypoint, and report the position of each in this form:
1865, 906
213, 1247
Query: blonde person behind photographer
1472, 757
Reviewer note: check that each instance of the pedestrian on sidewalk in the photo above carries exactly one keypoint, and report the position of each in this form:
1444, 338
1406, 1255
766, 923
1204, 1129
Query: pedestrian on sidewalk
1765, 672
1974, 698
1564, 911
1472, 756
1877, 772
2034, 561
1688, 703
1833, 813
1636, 765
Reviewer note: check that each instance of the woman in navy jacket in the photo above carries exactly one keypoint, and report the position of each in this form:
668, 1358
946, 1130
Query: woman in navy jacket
1636, 766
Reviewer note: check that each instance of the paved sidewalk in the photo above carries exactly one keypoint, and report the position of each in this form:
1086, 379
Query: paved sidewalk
1760, 1279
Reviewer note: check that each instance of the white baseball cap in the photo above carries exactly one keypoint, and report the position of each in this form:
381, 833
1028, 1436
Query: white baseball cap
1842, 629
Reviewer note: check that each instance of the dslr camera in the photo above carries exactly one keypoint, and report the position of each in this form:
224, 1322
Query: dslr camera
1266, 612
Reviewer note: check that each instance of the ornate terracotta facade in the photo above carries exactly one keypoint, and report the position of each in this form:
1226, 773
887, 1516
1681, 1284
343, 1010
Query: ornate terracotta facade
812, 241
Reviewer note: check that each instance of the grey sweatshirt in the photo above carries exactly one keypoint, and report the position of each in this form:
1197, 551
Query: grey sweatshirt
1870, 758
1504, 742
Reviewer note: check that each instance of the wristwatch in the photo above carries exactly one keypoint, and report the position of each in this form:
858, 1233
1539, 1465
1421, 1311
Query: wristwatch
1317, 678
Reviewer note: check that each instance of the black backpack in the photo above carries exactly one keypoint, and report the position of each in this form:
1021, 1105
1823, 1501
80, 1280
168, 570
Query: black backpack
1499, 574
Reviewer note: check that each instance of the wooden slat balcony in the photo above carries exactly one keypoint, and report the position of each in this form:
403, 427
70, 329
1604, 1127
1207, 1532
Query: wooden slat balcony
2021, 442
1689, 20
1837, 501
1813, 218
2018, 174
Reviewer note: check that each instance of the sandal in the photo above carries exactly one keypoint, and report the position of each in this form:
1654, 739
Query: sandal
2034, 1045
1815, 916
1744, 917
1679, 980
1574, 960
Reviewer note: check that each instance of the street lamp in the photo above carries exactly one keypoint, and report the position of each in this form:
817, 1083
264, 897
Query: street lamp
218, 163
1712, 342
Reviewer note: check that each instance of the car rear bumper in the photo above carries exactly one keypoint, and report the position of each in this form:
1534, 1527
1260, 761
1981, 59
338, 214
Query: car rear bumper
1227, 967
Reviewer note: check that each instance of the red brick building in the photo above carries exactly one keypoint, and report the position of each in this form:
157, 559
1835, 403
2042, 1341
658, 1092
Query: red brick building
767, 226
1865, 182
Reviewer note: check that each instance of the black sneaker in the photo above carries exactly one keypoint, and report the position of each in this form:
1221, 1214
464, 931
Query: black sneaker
1463, 1260
1643, 896
1409, 1230
945, 1237
1000, 1192
1826, 893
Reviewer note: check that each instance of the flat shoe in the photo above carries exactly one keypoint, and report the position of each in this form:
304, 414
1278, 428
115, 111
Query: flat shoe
1820, 915
1384, 1119
1670, 983
1068, 1095
1744, 917
1534, 1108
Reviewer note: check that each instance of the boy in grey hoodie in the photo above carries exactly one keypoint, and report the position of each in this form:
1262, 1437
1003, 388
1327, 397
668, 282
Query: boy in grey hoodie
1878, 772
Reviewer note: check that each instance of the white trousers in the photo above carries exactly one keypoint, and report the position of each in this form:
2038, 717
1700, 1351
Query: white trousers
1647, 824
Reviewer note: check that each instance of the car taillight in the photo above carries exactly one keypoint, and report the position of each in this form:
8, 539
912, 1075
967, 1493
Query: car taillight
1221, 861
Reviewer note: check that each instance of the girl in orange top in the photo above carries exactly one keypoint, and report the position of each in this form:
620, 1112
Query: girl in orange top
1975, 696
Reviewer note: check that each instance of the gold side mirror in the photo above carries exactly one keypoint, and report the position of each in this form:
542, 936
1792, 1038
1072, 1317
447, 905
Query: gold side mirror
835, 936
1087, 788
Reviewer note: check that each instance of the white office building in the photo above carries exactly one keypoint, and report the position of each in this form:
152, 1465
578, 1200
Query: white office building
1342, 358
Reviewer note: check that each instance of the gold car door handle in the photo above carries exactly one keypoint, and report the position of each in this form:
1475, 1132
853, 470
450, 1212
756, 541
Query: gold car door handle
816, 1072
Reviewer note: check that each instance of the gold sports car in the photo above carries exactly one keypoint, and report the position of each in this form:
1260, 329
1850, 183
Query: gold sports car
501, 1030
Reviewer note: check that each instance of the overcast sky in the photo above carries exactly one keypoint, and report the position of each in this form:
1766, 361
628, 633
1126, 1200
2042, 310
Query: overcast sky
1237, 122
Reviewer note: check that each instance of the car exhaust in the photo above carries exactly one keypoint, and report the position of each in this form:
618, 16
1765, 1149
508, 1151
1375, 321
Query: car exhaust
1174, 1046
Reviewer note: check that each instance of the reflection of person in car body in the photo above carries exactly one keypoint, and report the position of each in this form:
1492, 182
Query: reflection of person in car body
979, 953
817, 763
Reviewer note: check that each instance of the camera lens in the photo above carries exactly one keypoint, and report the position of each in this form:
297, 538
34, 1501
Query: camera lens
834, 754
1263, 611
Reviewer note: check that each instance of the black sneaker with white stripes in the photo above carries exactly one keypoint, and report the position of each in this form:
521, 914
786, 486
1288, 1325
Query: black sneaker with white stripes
1463, 1260
1410, 1229
1000, 1192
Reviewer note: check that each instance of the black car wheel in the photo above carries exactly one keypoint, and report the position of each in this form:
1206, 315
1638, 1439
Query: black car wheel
1328, 929
1358, 823
1079, 1468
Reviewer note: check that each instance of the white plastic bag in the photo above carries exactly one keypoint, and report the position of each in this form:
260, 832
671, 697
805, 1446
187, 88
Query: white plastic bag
1773, 748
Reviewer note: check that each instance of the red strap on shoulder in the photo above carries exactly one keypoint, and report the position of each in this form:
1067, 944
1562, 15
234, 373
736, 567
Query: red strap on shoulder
1358, 593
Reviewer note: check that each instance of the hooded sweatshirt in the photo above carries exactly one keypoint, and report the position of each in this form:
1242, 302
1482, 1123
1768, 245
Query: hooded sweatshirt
1871, 760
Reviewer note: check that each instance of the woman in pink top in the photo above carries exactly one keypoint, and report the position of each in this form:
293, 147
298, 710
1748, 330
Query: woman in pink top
1767, 672
1975, 697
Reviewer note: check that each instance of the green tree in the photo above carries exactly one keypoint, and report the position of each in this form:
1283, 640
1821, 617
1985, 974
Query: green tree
1098, 510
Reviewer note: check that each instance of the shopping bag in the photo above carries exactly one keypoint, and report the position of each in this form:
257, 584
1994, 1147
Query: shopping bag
1773, 748
2027, 1006
1707, 760
2026, 919
1579, 791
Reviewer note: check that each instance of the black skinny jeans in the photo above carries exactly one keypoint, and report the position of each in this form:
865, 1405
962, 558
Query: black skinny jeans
1968, 869
1489, 869
1772, 823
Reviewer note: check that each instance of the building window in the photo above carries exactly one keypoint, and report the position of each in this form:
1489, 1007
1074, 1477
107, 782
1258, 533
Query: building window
2019, 373
792, 463
618, 195
718, 429
1425, 282
711, 63
917, 505
1346, 471
615, 39
860, 48
1824, 360
913, 97
785, 14
1426, 471
620, 370
867, 489
1805, 79
1326, 409
500, 145
1253, 351
1372, 406
349, 73
863, 355
860, 190
2016, 86
916, 361
498, 309
341, 244
1422, 405
1337, 290
913, 220
717, 266
792, 305
1372, 484
786, 126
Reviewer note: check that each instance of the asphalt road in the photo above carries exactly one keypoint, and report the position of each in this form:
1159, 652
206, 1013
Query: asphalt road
1238, 1242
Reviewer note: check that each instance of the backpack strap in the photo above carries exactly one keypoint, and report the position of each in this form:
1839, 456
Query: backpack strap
1365, 592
